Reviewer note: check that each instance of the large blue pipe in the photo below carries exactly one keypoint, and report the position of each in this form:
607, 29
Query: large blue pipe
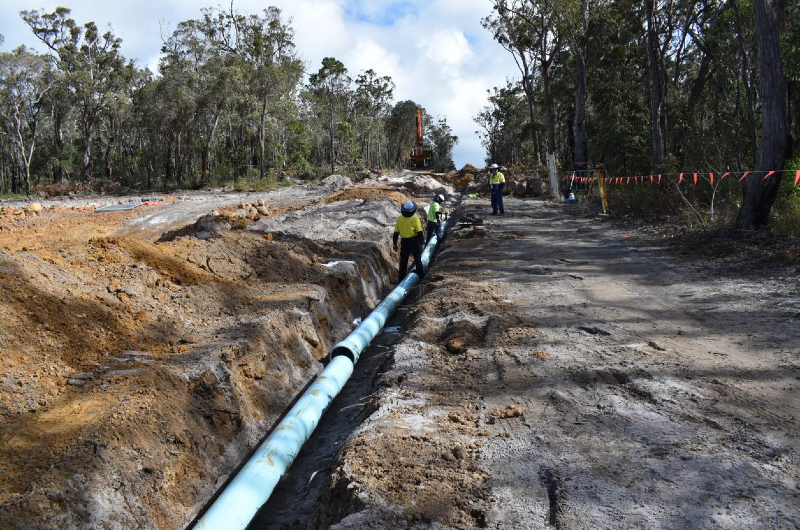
252, 486
357, 341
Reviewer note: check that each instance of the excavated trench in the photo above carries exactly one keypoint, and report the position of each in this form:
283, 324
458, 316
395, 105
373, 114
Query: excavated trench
161, 364
296, 501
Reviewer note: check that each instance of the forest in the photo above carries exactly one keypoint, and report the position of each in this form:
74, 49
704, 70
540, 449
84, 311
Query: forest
635, 87
624, 87
231, 103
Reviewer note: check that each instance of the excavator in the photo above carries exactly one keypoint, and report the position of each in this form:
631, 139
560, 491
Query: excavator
420, 156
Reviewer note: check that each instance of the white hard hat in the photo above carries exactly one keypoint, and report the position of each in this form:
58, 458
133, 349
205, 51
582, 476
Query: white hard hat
439, 198
494, 166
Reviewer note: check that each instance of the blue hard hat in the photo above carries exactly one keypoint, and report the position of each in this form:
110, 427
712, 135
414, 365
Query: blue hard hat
408, 207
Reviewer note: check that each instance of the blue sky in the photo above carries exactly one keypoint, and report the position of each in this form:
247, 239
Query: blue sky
436, 51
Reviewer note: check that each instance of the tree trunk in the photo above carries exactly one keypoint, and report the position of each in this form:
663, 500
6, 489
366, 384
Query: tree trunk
87, 129
759, 193
262, 137
549, 107
656, 87
107, 154
581, 153
748, 78
331, 139
527, 85
58, 137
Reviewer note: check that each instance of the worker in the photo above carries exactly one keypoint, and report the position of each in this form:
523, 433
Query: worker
497, 181
409, 229
434, 218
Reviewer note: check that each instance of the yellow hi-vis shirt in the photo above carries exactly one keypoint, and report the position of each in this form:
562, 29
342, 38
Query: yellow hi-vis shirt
408, 226
433, 211
497, 178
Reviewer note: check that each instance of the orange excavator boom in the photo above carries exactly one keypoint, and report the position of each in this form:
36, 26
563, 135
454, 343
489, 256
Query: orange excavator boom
419, 127
420, 156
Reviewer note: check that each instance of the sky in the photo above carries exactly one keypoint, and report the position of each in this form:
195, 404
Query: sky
436, 51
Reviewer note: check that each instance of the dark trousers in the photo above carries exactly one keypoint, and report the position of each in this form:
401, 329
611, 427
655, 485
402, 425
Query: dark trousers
433, 228
410, 246
497, 197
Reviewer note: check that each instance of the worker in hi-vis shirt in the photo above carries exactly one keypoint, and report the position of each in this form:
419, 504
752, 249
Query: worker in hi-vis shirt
409, 229
434, 218
497, 181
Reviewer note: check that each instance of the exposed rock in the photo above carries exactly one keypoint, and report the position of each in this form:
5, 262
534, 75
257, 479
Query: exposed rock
337, 182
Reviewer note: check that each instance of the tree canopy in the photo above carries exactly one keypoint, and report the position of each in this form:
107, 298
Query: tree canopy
231, 101
643, 86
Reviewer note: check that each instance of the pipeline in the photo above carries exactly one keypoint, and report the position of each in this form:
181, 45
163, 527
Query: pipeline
252, 486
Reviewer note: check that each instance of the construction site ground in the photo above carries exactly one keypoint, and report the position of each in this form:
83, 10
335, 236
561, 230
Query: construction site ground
551, 370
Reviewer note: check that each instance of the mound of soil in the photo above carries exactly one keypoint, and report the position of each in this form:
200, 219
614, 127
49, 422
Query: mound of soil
137, 372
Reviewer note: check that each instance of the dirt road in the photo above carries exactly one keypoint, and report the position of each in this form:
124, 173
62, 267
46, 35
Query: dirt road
560, 373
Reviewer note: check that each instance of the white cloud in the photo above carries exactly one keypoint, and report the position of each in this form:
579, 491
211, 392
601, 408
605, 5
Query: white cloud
446, 50
436, 51
368, 54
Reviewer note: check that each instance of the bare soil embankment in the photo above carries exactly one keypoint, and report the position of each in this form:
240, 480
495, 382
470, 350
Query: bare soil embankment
558, 372
145, 352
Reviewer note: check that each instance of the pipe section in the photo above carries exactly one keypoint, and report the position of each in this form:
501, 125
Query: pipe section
357, 341
252, 486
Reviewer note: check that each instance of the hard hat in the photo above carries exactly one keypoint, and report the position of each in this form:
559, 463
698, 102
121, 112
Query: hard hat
439, 198
494, 166
408, 207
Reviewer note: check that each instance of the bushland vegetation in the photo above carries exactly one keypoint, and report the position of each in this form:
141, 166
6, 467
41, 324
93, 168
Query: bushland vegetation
231, 104
637, 87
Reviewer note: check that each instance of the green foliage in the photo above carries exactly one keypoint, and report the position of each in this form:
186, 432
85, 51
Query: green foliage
254, 183
672, 87
791, 43
785, 214
443, 141
228, 107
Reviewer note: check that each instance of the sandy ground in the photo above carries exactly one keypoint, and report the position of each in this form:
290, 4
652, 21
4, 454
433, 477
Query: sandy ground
551, 371
145, 352
557, 372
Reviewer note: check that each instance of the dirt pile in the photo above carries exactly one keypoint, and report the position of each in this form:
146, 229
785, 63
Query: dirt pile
525, 185
336, 182
414, 183
11, 216
517, 184
151, 368
461, 178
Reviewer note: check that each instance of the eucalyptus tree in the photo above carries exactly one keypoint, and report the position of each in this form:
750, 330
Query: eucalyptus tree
575, 23
543, 39
25, 78
514, 35
504, 123
330, 90
372, 101
443, 141
667, 33
265, 45
744, 31
401, 131
92, 66
194, 91
620, 136
759, 193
